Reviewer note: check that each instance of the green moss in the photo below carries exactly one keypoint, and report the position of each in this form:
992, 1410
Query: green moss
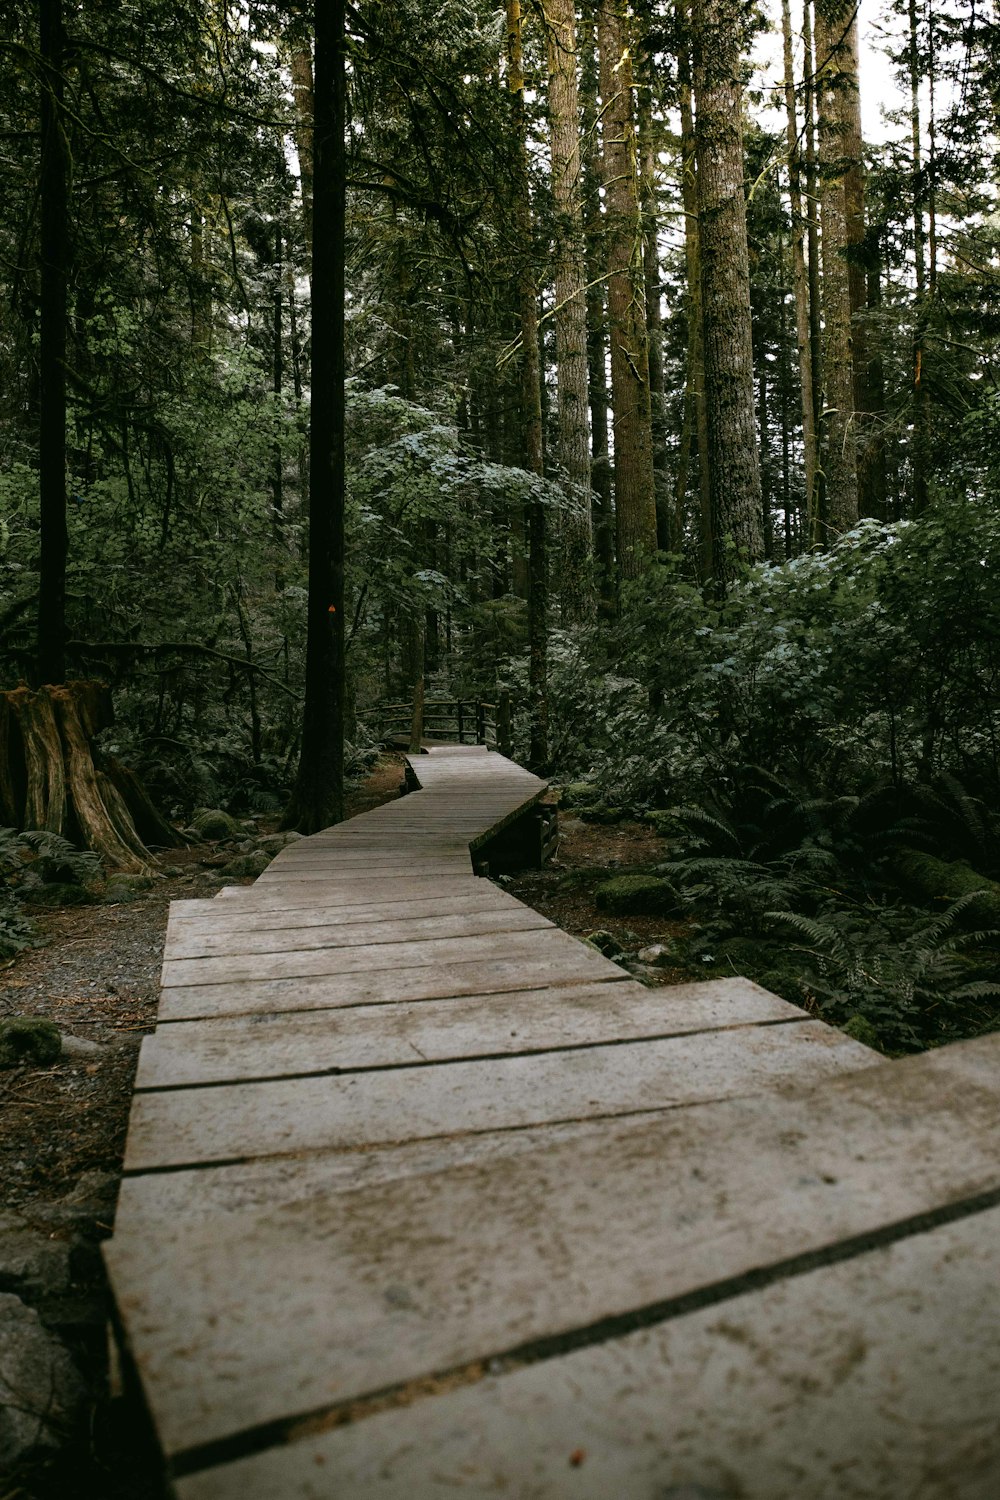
942, 880
28, 1041
214, 824
600, 812
636, 895
579, 794
57, 893
254, 863
862, 1030
604, 942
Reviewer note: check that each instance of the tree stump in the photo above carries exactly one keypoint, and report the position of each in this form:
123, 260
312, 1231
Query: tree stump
53, 776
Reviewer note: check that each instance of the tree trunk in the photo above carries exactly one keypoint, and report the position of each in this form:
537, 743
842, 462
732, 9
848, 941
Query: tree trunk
812, 240
51, 662
318, 795
302, 94
577, 585
801, 282
696, 322
836, 79
52, 777
635, 491
734, 465
667, 537
603, 519
531, 401
921, 405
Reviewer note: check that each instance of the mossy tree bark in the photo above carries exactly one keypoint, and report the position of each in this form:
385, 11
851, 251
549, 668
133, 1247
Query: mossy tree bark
733, 458
53, 777
837, 76
577, 573
635, 489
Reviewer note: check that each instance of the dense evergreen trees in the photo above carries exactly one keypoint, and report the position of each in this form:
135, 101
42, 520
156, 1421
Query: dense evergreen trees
583, 319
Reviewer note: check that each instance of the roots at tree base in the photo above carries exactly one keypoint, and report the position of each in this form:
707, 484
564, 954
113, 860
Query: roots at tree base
53, 777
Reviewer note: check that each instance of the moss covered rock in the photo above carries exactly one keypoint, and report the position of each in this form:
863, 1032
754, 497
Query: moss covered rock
55, 893
636, 895
604, 942
123, 888
579, 794
253, 864
23, 1040
602, 812
939, 880
214, 824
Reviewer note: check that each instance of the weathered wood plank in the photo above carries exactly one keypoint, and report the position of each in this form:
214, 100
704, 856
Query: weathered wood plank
150, 1199
349, 1110
397, 864
387, 985
547, 943
185, 1053
875, 1378
203, 919
348, 891
204, 943
431, 1273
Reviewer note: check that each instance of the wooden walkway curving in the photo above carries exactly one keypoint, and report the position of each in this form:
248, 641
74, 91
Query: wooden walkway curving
425, 1196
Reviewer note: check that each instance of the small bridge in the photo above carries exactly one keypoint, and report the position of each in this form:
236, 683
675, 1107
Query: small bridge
423, 1196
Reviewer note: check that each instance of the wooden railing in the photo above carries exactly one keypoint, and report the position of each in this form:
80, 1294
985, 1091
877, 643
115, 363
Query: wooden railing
463, 721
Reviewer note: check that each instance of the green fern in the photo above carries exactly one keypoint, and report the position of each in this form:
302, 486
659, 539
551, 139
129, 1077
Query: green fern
59, 860
897, 968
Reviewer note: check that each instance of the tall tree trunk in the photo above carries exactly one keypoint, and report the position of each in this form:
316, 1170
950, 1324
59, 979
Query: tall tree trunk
51, 660
800, 279
921, 404
603, 519
302, 95
734, 463
531, 398
837, 75
696, 318
667, 537
318, 795
577, 585
635, 491
277, 376
812, 240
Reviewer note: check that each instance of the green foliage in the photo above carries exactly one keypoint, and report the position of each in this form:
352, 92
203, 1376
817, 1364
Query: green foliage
57, 860
899, 969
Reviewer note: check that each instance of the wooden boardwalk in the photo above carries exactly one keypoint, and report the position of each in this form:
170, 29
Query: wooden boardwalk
425, 1196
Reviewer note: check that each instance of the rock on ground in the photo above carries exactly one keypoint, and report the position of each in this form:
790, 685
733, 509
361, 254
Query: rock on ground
41, 1392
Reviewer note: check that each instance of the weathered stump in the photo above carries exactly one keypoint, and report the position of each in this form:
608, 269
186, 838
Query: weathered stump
53, 776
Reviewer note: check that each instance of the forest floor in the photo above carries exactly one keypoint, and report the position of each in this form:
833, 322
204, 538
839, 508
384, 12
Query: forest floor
63, 1126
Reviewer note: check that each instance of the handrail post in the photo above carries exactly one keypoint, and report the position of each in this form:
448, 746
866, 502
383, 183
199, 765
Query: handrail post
461, 721
480, 722
503, 723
